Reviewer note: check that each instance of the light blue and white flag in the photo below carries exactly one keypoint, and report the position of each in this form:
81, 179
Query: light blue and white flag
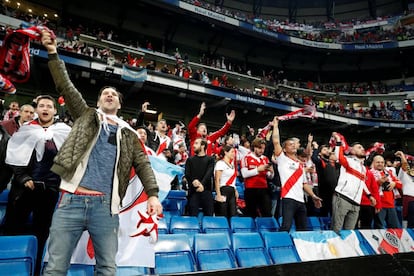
322, 245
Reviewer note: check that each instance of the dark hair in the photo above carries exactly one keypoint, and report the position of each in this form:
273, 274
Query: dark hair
323, 146
302, 152
224, 149
355, 143
46, 97
120, 96
226, 138
203, 142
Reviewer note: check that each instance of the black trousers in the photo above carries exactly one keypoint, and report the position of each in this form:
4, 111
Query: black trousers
203, 200
366, 217
227, 208
258, 200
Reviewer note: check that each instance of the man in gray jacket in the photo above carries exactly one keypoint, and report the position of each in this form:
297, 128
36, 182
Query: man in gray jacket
94, 164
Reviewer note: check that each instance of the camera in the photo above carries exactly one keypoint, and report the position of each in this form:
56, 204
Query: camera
385, 185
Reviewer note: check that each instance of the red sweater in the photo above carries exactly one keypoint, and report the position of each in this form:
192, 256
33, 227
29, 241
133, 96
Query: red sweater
372, 186
192, 132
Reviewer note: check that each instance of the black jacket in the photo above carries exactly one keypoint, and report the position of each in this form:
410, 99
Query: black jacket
5, 170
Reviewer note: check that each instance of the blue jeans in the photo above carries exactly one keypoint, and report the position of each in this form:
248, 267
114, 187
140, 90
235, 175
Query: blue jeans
387, 218
74, 214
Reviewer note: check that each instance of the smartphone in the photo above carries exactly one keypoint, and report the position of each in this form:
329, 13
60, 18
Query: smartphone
39, 185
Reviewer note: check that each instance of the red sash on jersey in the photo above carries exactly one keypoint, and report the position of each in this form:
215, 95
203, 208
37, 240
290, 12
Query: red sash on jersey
355, 173
291, 181
162, 147
231, 179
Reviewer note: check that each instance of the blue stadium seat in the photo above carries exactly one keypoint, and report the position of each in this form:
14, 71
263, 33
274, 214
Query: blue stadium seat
81, 270
266, 224
325, 223
4, 197
173, 254
210, 224
18, 255
240, 190
411, 232
314, 224
178, 199
242, 224
171, 206
131, 270
177, 194
164, 224
250, 250
280, 247
213, 252
292, 228
239, 182
185, 224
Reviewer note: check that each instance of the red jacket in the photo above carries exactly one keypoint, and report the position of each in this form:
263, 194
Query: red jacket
192, 132
372, 185
387, 197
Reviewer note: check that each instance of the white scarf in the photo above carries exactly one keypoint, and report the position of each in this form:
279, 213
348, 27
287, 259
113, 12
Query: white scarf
115, 118
33, 137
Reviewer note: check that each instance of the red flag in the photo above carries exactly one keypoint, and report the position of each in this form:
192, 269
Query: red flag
309, 111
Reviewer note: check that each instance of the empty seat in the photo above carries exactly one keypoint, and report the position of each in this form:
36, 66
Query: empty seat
213, 251
171, 206
411, 232
242, 224
240, 190
4, 197
178, 200
185, 224
131, 270
280, 247
18, 255
266, 224
325, 223
81, 270
211, 224
250, 250
164, 224
173, 254
314, 224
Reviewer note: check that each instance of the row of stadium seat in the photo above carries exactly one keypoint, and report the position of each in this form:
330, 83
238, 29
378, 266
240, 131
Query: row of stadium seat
207, 224
213, 251
175, 253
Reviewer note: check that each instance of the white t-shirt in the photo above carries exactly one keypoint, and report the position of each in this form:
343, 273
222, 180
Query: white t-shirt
228, 172
287, 167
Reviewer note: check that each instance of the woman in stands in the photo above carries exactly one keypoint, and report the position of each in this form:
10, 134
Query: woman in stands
225, 174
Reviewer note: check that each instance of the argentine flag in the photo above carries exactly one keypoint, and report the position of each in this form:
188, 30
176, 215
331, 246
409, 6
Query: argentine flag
323, 245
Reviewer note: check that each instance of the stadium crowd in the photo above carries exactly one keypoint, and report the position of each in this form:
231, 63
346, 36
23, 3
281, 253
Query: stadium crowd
253, 174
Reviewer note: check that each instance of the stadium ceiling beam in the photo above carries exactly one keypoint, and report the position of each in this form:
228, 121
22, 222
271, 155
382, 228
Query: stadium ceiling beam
293, 10
257, 7
372, 7
330, 10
